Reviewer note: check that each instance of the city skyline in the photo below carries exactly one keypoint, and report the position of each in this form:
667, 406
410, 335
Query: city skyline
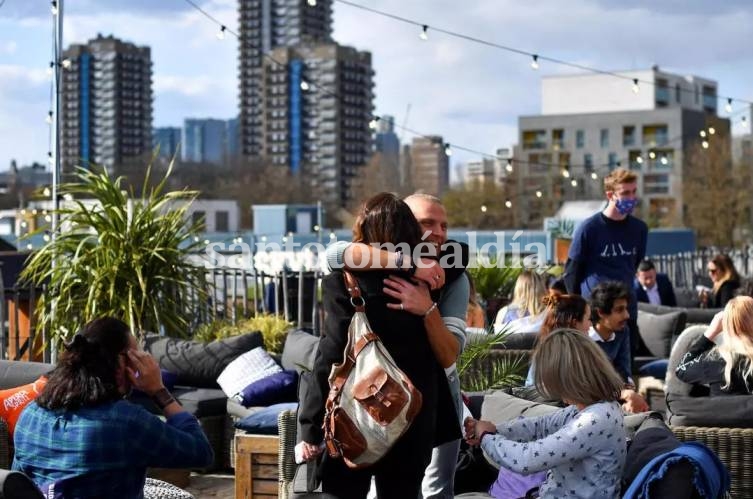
470, 94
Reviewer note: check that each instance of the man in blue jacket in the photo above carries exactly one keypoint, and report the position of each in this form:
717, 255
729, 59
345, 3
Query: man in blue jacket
652, 287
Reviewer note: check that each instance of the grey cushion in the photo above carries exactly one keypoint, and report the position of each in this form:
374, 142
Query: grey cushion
694, 315
499, 407
679, 349
658, 331
196, 363
16, 373
299, 351
723, 411
237, 411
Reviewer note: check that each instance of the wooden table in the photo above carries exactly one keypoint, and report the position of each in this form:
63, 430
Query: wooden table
256, 466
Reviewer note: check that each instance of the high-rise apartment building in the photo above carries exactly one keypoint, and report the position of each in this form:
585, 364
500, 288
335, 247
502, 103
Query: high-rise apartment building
592, 124
386, 141
204, 141
490, 170
429, 165
266, 25
317, 102
168, 140
106, 103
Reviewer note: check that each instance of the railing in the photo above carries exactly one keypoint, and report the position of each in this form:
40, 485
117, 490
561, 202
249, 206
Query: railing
686, 270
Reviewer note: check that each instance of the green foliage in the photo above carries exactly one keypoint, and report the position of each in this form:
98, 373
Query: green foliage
118, 255
564, 229
274, 329
480, 371
492, 281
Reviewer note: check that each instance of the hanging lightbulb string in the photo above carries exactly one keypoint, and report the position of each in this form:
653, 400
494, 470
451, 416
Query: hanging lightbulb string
448, 146
536, 58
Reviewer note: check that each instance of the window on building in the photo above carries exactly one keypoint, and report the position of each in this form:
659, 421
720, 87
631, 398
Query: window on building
661, 92
612, 161
558, 139
580, 139
588, 162
604, 137
534, 139
678, 93
221, 221
628, 136
655, 135
199, 219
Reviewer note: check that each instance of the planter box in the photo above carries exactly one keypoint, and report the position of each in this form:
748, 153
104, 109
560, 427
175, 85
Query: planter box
256, 465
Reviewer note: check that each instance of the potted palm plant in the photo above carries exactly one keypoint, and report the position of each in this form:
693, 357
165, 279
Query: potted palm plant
118, 254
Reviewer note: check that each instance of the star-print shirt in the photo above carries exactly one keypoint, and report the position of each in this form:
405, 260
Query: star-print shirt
584, 451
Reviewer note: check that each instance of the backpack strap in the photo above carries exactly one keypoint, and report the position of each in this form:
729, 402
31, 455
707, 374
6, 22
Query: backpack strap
356, 298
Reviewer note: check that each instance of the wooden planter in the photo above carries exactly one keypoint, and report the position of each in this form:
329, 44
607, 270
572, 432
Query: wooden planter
561, 248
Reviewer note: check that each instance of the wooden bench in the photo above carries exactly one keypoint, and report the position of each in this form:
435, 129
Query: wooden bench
256, 464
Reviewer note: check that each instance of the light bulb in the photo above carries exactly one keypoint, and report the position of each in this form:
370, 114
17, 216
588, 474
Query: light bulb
565, 173
535, 62
50, 69
728, 106
448, 149
483, 208
636, 88
705, 144
639, 160
574, 183
712, 130
373, 124
46, 192
221, 33
744, 122
48, 119
424, 33
304, 85
652, 155
702, 133
54, 7
664, 160
332, 235
539, 194
66, 64
312, 3
508, 167
50, 159
508, 203
594, 176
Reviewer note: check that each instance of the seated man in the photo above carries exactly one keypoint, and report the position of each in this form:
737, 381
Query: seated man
652, 287
80, 439
609, 316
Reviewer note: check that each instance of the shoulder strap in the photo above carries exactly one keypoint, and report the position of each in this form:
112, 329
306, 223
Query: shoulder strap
356, 298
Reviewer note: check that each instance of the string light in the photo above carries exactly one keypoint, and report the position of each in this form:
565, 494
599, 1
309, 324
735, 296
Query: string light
728, 106
483, 208
448, 149
48, 119
705, 144
744, 122
702, 133
424, 33
51, 68
565, 173
221, 33
539, 194
594, 176
508, 203
54, 7
49, 158
636, 88
664, 160
373, 122
652, 155
712, 130
574, 183
305, 85
508, 167
535, 62
639, 160
66, 64
312, 3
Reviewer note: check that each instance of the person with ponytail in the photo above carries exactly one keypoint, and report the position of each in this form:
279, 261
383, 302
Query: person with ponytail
81, 439
562, 311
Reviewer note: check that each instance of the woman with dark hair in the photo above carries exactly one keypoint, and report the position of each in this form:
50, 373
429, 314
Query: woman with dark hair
81, 439
420, 351
726, 281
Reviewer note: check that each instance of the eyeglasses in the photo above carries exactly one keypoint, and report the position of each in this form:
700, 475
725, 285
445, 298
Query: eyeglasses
712, 271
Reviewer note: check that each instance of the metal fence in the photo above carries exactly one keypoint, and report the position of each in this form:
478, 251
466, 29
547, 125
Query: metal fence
235, 294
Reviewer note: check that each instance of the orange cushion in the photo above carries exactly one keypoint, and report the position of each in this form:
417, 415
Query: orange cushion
13, 401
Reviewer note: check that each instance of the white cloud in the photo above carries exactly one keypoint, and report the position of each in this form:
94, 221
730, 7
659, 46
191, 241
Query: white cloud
8, 48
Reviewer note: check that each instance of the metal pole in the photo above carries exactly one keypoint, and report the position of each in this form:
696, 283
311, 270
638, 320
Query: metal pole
56, 167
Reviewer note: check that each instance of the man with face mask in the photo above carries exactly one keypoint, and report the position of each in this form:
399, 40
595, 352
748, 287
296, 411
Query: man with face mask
609, 245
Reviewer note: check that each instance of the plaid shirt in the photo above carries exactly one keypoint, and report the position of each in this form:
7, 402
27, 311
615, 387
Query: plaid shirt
103, 451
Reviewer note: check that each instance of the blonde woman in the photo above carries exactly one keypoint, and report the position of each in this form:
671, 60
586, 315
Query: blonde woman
727, 368
525, 313
726, 280
583, 445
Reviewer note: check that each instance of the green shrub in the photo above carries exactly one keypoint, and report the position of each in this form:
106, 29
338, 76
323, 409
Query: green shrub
273, 328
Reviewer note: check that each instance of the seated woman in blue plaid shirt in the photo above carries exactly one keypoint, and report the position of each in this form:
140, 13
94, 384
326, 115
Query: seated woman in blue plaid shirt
80, 439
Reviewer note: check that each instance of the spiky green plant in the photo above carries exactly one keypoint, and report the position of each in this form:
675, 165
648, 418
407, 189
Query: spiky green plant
274, 329
480, 370
492, 281
120, 255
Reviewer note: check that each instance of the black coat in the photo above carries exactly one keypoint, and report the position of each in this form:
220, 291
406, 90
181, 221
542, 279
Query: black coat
666, 291
724, 294
404, 336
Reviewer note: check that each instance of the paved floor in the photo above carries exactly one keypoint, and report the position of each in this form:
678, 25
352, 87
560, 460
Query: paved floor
221, 486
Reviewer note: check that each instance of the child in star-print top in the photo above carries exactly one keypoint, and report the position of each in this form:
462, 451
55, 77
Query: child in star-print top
582, 446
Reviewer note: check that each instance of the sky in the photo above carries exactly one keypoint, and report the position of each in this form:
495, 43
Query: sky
470, 94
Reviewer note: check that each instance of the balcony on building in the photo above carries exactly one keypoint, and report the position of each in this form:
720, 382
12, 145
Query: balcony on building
534, 139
